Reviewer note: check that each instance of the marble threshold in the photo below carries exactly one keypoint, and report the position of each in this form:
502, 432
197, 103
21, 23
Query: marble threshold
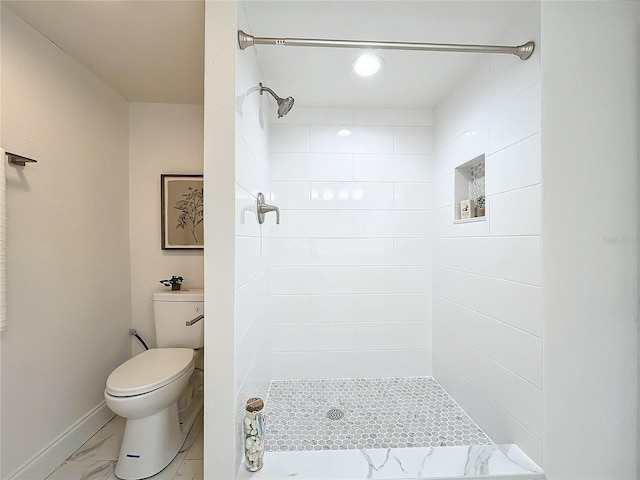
504, 462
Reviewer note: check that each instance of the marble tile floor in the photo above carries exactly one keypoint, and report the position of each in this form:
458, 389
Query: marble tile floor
96, 459
365, 413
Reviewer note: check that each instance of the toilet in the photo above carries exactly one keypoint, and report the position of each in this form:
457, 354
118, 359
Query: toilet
160, 391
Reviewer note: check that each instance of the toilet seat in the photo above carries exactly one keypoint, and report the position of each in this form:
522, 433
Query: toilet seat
149, 371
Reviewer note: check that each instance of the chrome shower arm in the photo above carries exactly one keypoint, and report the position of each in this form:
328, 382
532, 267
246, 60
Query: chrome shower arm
263, 88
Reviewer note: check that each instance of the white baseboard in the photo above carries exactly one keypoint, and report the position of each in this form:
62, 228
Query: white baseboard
50, 457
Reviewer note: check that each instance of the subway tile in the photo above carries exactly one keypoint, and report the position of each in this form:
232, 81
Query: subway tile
392, 279
288, 251
371, 363
392, 168
325, 139
412, 251
443, 191
251, 171
331, 167
392, 363
371, 307
393, 223
514, 167
393, 117
290, 308
245, 353
413, 196
251, 302
318, 116
335, 364
413, 307
516, 350
413, 140
290, 195
306, 280
471, 143
509, 79
250, 261
518, 119
445, 161
352, 251
320, 167
517, 304
291, 365
510, 258
443, 252
246, 220
295, 337
471, 104
392, 335
516, 212
289, 138
518, 397
293, 167
313, 223
352, 195
443, 124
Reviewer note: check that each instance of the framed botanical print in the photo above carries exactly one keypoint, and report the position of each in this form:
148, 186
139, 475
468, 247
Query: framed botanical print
181, 201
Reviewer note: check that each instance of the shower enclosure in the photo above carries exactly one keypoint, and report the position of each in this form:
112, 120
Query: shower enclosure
349, 307
483, 278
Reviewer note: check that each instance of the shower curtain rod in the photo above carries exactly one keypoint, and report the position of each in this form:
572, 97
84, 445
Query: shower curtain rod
246, 40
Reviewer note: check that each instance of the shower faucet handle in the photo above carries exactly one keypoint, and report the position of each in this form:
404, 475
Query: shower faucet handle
262, 208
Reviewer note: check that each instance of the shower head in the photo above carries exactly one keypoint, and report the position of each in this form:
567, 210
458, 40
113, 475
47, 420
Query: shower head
284, 104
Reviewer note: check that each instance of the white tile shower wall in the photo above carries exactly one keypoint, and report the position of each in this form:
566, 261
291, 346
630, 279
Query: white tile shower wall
487, 312
251, 320
351, 260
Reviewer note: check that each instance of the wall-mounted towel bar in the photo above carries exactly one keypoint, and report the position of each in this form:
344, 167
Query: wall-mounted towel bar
15, 159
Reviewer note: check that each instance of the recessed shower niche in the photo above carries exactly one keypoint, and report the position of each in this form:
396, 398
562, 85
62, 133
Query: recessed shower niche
469, 201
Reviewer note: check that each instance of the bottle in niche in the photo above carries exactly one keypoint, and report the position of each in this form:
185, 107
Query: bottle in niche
254, 424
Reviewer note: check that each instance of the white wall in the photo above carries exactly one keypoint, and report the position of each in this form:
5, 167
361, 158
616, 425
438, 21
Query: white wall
590, 138
487, 275
68, 245
251, 321
163, 138
219, 258
351, 258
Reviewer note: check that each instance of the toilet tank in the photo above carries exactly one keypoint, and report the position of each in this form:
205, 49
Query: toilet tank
171, 311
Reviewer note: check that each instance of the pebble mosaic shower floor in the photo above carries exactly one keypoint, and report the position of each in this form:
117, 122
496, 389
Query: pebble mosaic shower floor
341, 414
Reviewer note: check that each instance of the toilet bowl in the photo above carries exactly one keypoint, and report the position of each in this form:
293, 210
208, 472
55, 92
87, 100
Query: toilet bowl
145, 390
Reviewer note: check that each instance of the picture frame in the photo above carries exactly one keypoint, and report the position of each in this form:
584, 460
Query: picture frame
181, 210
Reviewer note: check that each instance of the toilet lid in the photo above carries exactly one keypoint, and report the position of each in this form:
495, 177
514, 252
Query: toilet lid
149, 371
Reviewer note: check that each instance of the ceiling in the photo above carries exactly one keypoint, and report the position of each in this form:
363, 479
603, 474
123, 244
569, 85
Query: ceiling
153, 51
148, 51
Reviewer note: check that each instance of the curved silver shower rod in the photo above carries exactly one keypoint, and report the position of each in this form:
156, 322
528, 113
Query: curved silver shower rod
523, 51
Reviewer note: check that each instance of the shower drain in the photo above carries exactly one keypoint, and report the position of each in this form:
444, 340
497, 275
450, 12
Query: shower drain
335, 414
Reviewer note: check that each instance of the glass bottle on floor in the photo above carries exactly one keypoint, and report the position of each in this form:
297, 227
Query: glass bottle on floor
254, 424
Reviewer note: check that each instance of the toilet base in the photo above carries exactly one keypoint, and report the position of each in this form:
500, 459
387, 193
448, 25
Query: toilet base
150, 444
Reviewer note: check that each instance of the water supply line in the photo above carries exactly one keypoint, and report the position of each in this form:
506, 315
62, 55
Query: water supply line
523, 51
134, 332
